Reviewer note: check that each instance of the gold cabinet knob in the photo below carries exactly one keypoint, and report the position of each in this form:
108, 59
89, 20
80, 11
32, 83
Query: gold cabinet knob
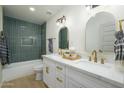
58, 79
47, 70
59, 68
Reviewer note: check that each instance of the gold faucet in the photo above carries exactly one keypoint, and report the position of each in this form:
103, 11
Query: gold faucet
61, 52
94, 56
102, 60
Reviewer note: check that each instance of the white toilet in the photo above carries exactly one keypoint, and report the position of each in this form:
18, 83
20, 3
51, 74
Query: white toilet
39, 72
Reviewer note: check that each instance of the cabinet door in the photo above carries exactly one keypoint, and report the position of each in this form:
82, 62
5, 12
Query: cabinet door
87, 80
46, 74
73, 84
49, 72
1, 19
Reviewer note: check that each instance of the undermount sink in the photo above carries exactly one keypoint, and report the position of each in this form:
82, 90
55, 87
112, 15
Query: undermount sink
86, 61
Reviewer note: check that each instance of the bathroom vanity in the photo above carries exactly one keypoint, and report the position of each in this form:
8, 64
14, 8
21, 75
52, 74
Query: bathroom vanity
63, 73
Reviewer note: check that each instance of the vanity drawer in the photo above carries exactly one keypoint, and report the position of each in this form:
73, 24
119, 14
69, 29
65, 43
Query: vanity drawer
60, 68
60, 75
60, 81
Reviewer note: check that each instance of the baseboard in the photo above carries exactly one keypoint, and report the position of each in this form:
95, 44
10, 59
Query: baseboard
45, 85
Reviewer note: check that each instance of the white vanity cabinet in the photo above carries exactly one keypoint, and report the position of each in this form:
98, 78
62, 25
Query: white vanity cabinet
1, 19
71, 83
53, 74
49, 72
81, 79
59, 74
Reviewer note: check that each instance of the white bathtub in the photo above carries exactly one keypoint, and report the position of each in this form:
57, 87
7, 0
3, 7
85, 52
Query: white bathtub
19, 69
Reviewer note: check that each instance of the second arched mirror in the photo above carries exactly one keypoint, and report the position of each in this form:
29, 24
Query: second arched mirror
100, 30
63, 38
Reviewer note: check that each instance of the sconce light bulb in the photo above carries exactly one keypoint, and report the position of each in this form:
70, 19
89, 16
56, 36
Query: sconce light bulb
88, 7
57, 23
63, 21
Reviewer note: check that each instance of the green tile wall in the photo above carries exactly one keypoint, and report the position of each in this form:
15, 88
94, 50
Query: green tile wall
43, 38
15, 30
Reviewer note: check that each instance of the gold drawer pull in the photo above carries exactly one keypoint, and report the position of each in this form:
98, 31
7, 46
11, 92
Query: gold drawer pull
47, 70
59, 68
58, 79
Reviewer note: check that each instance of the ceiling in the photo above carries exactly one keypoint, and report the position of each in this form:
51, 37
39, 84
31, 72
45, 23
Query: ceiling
39, 16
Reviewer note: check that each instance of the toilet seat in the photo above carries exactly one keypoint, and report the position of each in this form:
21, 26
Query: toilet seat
39, 67
38, 71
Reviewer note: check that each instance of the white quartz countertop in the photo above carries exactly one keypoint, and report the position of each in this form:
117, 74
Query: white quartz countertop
106, 71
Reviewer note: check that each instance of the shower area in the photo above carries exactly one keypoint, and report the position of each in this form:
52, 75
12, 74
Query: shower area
26, 42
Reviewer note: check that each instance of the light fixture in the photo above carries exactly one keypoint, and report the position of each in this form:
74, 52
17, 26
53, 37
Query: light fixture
61, 21
32, 9
88, 7
57, 23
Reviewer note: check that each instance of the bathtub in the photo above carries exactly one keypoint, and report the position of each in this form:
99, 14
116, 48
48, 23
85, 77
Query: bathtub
19, 69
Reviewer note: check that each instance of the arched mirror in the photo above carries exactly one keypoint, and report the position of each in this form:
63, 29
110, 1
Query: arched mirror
63, 38
100, 30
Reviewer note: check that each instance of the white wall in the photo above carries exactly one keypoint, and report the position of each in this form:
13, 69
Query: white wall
0, 73
77, 17
0, 30
74, 23
1, 19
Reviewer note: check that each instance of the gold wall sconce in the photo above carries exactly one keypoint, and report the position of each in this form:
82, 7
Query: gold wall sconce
61, 20
88, 7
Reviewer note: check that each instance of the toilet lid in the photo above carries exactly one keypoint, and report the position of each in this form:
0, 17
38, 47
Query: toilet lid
38, 67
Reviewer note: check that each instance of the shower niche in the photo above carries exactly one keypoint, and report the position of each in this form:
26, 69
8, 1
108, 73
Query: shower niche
27, 41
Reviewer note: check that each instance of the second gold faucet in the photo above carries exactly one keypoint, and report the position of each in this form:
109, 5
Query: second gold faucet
94, 56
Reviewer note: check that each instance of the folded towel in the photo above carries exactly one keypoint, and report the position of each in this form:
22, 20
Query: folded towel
50, 45
3, 51
119, 35
119, 46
